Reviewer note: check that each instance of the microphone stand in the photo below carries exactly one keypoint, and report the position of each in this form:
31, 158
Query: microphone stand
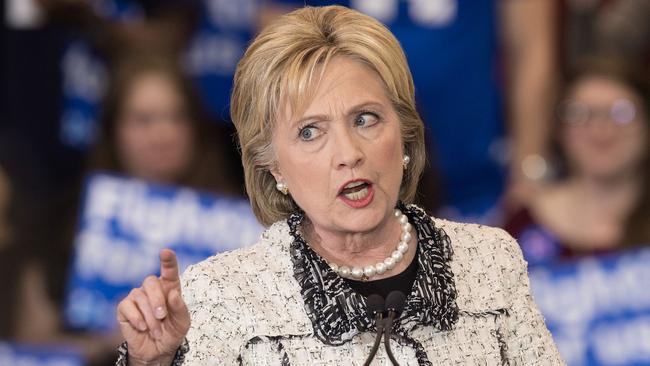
375, 304
389, 326
395, 302
380, 331
394, 305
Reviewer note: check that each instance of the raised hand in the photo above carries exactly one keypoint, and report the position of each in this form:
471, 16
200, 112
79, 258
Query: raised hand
154, 318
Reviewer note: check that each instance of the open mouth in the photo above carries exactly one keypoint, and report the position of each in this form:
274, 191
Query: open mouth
356, 191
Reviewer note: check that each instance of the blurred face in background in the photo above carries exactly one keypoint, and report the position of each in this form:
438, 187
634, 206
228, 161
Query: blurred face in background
154, 134
604, 128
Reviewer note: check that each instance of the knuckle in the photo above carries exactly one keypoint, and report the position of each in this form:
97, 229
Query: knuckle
154, 293
139, 295
133, 316
134, 292
121, 306
151, 279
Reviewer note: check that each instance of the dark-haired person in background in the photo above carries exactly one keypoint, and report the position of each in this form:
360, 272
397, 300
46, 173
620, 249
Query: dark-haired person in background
599, 200
153, 127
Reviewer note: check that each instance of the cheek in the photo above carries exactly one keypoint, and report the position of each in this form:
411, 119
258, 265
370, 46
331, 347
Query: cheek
183, 136
131, 138
389, 152
387, 158
574, 143
637, 145
304, 171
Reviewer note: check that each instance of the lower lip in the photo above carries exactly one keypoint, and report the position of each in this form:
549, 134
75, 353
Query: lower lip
362, 202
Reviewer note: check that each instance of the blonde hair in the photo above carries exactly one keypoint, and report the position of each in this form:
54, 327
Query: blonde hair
279, 67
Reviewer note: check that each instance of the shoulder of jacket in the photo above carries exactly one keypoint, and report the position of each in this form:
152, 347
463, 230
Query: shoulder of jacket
241, 268
487, 264
482, 241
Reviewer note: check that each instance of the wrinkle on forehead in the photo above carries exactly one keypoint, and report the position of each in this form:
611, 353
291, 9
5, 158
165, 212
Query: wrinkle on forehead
300, 94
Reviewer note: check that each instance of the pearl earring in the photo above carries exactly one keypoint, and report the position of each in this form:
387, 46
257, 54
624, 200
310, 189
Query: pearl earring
405, 161
282, 187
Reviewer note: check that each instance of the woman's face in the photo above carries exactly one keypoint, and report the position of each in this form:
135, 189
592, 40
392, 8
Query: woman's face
342, 157
604, 131
154, 134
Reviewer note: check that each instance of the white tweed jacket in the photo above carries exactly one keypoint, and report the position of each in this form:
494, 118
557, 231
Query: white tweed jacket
270, 304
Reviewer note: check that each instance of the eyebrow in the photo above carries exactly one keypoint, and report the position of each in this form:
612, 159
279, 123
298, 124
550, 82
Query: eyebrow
354, 109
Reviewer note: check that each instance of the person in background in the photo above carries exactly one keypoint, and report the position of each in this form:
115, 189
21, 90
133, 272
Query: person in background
599, 200
153, 127
153, 122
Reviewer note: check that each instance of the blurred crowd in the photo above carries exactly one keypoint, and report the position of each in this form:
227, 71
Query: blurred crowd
536, 113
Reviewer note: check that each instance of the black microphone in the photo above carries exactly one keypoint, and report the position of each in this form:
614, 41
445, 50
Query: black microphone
375, 306
395, 302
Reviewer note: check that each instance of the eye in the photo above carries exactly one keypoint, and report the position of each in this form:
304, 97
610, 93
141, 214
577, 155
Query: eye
366, 119
142, 119
308, 133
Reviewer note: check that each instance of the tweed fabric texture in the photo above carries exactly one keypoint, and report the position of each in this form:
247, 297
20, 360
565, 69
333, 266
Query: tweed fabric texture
179, 357
278, 303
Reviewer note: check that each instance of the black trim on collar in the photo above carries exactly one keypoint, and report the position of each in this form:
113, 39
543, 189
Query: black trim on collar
338, 313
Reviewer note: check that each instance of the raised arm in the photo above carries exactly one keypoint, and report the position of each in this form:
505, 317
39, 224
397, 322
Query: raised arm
528, 33
153, 318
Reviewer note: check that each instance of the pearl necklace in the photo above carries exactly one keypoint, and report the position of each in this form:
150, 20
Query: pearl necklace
365, 273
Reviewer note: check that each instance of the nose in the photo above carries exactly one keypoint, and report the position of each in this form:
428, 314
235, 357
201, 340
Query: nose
347, 147
603, 126
164, 127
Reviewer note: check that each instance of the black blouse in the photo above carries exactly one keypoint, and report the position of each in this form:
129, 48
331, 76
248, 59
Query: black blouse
400, 282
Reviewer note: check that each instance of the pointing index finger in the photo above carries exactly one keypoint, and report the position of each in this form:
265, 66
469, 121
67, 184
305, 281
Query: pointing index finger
168, 266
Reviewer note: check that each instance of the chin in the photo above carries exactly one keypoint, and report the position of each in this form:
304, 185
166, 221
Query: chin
365, 219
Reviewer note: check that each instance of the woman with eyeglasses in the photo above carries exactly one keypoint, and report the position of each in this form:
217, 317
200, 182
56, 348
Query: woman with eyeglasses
597, 198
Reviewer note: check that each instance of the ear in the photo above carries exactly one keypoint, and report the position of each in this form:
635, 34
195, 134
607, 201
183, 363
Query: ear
275, 171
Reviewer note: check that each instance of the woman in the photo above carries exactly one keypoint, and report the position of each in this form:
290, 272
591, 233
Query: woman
331, 142
153, 128
600, 201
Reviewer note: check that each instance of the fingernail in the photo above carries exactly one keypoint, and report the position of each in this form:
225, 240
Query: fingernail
142, 326
160, 312
157, 334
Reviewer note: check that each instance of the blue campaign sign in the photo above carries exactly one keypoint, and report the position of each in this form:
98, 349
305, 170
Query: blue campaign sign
123, 225
598, 309
23, 355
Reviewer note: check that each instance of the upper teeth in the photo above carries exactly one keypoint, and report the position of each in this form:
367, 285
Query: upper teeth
354, 184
